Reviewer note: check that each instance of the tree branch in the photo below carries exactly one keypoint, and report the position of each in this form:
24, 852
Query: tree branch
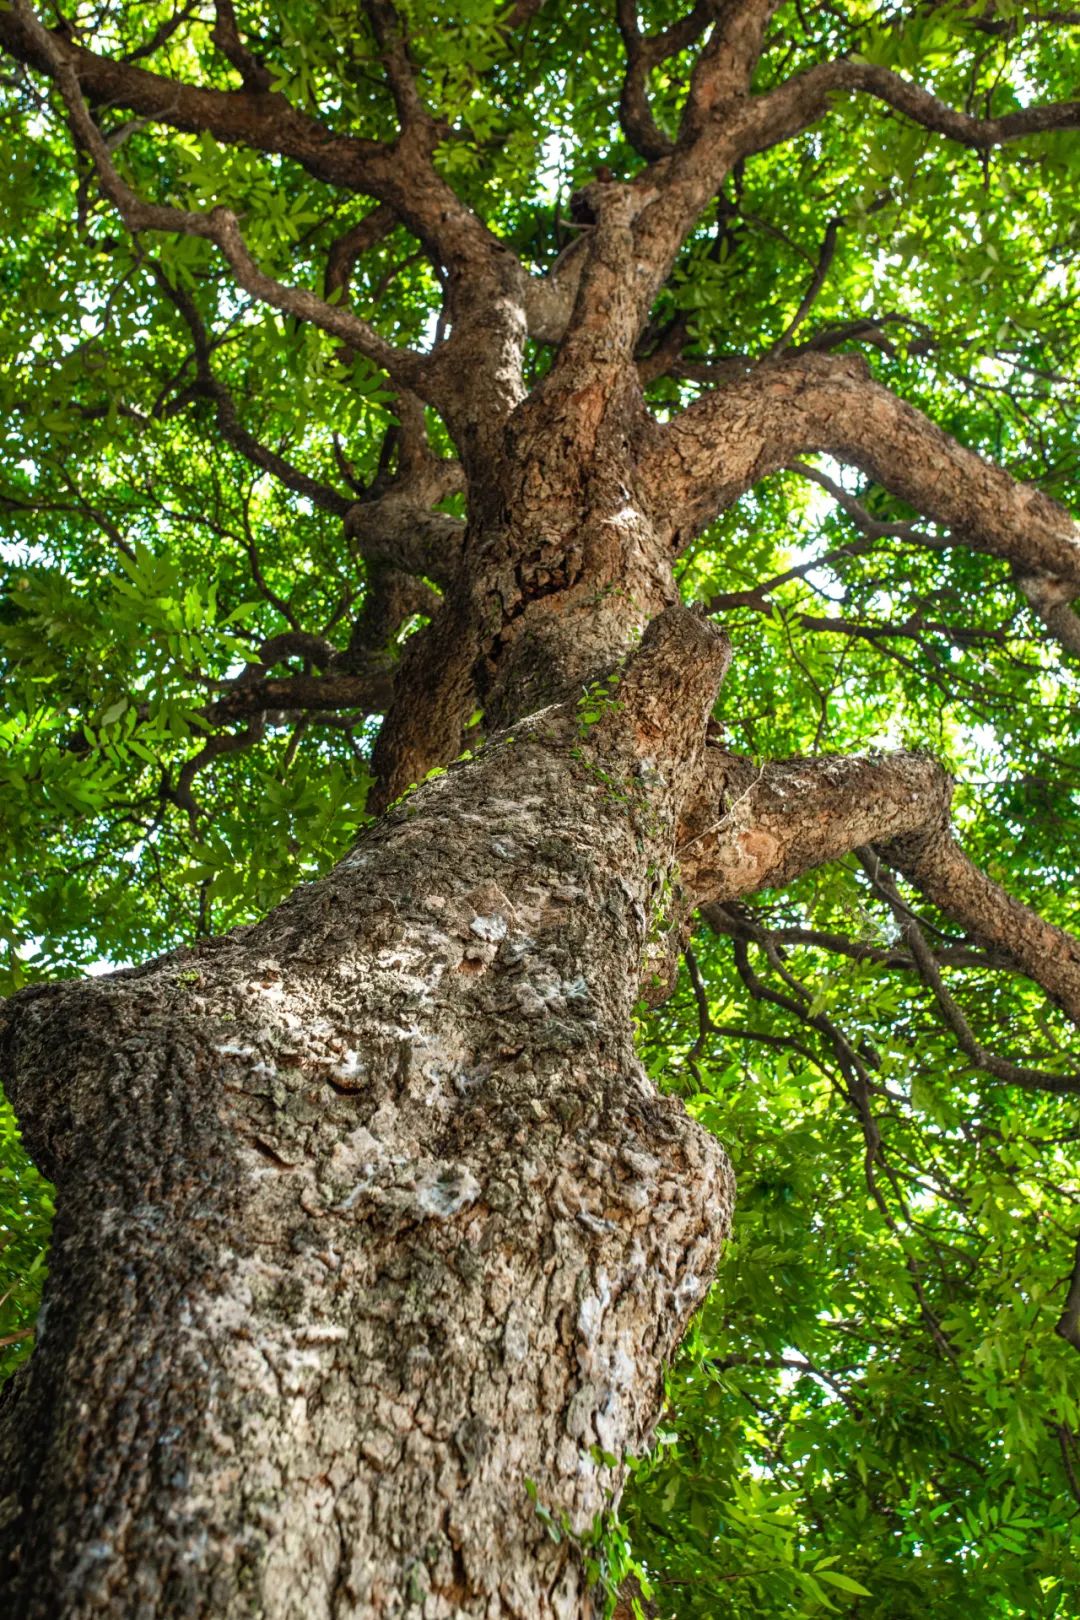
890, 956
727, 440
549, 299
312, 694
224, 742
755, 827
398, 174
817, 281
643, 54
800, 101
723, 124
162, 33
390, 36
350, 245
397, 529
1068, 1324
230, 427
225, 34
723, 71
873, 528
219, 226
262, 120
604, 323
930, 973
521, 13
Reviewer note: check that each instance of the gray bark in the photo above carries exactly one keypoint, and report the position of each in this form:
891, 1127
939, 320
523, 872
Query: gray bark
369, 1215
370, 1224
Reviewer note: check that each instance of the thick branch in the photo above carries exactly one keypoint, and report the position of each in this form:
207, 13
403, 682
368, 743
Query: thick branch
724, 124
667, 197
549, 299
729, 439
1051, 600
399, 530
314, 694
723, 71
643, 54
604, 325
266, 121
931, 975
219, 226
802, 100
263, 120
756, 827
933, 861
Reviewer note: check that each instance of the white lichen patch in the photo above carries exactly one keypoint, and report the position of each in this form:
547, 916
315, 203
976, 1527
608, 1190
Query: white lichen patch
515, 1334
591, 1312
530, 1003
266, 989
440, 1190
350, 1066
356, 1192
321, 1333
688, 1291
355, 859
492, 929
609, 1422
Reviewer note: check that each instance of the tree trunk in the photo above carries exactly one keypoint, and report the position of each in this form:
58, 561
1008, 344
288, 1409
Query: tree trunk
373, 1235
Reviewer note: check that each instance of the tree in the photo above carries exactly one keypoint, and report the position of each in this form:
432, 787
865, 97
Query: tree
382, 384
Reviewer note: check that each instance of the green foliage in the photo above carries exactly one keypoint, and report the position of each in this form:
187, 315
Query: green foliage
874, 1395
873, 1414
25, 1219
597, 700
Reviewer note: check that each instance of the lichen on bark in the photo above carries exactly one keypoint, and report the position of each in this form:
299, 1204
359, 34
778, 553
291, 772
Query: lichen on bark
373, 1236
390, 1228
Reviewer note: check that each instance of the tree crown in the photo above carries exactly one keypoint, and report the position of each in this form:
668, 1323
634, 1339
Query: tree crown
277, 279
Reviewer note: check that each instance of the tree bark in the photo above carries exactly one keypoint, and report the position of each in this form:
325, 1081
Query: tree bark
370, 1222
373, 1236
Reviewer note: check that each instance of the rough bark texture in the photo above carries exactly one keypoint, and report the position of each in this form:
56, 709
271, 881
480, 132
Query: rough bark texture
369, 1214
369, 1221
735, 435
753, 826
